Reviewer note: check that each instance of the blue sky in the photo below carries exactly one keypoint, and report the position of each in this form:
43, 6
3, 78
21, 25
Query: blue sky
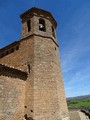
73, 33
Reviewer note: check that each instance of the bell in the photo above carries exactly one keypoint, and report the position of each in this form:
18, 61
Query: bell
41, 26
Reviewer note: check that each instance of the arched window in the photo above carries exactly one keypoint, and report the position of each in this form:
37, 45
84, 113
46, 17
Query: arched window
29, 25
53, 32
42, 26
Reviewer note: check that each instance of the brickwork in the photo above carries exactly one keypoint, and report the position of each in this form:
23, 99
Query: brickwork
41, 96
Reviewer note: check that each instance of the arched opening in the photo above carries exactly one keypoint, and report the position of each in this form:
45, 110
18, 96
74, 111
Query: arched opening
42, 26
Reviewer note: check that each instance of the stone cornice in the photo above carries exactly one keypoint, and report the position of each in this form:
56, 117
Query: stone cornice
40, 36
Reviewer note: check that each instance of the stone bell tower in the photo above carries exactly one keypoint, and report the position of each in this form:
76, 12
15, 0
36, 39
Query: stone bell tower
44, 96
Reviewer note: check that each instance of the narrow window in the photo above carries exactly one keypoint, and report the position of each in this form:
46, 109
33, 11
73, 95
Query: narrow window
53, 32
42, 25
29, 68
29, 25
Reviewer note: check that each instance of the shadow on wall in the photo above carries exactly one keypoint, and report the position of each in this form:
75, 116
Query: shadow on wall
12, 72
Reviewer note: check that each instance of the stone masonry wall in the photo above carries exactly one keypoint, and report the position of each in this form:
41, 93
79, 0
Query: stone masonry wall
41, 96
20, 59
48, 84
44, 86
48, 100
12, 97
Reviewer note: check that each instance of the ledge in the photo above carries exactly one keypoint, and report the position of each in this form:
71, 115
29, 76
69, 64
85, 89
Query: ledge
39, 36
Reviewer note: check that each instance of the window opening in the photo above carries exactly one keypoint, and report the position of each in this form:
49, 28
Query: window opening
42, 25
29, 25
29, 68
53, 32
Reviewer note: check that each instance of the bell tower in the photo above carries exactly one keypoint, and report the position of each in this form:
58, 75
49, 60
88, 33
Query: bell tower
44, 96
38, 22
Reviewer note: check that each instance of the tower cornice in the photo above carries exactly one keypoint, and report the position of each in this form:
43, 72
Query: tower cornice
37, 11
40, 36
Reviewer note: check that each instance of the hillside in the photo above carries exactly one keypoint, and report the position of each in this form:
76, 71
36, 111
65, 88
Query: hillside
84, 97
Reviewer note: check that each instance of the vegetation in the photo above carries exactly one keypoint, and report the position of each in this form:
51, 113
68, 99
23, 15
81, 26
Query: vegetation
79, 103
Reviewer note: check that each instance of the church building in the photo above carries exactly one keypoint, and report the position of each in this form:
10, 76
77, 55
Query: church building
31, 84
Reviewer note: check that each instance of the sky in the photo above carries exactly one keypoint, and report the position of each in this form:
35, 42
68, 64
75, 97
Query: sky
73, 34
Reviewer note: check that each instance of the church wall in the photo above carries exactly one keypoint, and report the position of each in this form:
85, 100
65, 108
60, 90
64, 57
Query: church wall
41, 96
12, 97
19, 59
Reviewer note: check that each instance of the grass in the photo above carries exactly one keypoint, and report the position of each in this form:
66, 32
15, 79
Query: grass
78, 103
